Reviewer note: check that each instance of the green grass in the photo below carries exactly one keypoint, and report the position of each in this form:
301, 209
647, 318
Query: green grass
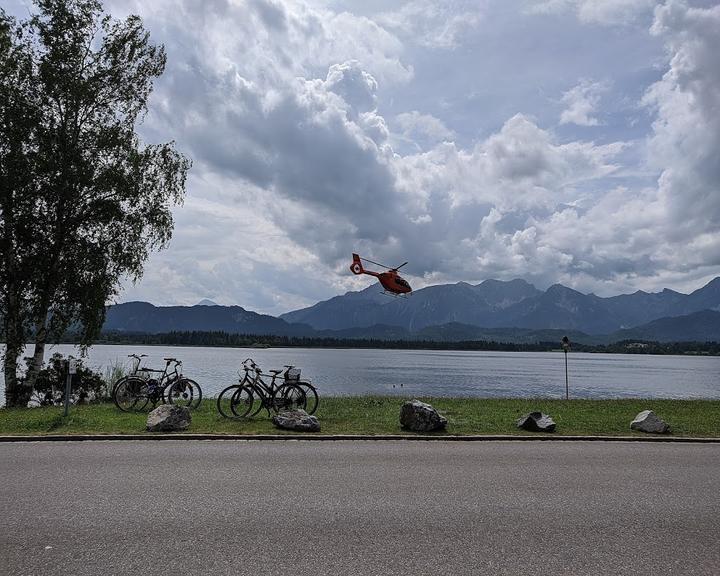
379, 415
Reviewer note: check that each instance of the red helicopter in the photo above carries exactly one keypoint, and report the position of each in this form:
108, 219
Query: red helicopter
390, 280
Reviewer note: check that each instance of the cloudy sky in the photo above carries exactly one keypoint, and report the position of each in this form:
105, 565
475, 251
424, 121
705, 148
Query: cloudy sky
572, 141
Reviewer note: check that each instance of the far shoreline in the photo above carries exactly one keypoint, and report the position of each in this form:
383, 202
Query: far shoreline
263, 342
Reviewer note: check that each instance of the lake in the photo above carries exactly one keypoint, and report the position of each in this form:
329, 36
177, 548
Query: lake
440, 373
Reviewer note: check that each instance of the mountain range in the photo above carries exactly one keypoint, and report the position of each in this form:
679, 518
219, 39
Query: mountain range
513, 311
495, 304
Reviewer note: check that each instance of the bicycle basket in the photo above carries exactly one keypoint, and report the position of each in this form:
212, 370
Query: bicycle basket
293, 374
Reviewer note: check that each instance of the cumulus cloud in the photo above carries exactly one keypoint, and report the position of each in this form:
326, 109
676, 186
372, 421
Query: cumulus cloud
582, 103
471, 214
356, 87
685, 145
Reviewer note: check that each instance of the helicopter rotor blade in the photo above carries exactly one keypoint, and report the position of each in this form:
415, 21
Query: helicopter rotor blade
376, 263
401, 265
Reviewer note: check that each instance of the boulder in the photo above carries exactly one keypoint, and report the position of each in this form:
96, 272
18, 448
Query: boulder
296, 420
536, 422
648, 421
420, 417
168, 418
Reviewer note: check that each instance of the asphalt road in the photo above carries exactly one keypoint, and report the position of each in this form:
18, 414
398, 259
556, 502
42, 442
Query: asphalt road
238, 507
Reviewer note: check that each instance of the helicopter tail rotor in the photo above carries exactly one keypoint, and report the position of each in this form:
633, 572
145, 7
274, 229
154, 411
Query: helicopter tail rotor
356, 267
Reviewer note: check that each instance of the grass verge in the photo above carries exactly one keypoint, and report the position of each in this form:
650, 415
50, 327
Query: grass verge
379, 415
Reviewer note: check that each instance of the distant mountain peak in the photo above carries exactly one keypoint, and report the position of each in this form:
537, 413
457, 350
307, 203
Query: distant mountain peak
561, 288
206, 302
513, 282
714, 283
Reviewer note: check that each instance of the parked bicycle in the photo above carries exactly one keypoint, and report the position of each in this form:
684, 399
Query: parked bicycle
252, 393
141, 390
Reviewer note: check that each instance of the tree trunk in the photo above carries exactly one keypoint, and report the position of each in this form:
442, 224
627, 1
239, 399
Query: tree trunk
38, 354
17, 394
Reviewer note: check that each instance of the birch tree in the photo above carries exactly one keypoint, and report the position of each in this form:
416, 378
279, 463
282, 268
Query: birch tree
83, 201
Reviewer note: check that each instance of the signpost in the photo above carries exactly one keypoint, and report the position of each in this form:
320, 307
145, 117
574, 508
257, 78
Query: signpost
566, 347
71, 369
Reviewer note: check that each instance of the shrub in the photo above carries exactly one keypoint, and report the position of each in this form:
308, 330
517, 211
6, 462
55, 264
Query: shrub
86, 385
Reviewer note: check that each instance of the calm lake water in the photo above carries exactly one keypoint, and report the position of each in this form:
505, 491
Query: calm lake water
441, 373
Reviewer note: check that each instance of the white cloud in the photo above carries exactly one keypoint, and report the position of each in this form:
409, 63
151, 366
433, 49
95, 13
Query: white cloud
685, 145
582, 103
353, 84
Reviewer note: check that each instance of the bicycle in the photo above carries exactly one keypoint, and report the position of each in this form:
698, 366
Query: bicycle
247, 398
135, 392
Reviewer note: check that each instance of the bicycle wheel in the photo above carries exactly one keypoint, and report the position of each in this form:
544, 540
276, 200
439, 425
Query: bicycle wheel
224, 400
183, 392
131, 394
311, 396
259, 400
117, 383
242, 402
197, 393
288, 397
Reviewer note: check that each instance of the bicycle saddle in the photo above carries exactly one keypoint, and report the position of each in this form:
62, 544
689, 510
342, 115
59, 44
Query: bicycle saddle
276, 372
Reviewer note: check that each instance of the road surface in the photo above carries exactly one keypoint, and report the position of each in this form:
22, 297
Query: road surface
315, 508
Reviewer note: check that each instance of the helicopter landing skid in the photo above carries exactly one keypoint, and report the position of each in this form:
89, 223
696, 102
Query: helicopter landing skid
393, 295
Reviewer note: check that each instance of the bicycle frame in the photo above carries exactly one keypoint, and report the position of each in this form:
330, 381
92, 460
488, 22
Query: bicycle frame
265, 391
156, 388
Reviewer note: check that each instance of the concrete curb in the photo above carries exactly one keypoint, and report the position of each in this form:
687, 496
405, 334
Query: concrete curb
336, 437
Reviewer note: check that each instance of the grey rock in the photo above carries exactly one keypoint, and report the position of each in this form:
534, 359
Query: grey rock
298, 420
169, 418
536, 422
648, 421
420, 417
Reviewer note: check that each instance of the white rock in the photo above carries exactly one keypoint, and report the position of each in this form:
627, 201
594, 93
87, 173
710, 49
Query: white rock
421, 417
648, 421
296, 420
168, 418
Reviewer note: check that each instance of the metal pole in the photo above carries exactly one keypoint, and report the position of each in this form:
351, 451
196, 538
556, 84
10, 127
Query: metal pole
567, 387
68, 381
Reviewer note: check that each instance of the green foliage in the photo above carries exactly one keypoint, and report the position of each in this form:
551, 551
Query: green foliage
82, 201
86, 385
113, 373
